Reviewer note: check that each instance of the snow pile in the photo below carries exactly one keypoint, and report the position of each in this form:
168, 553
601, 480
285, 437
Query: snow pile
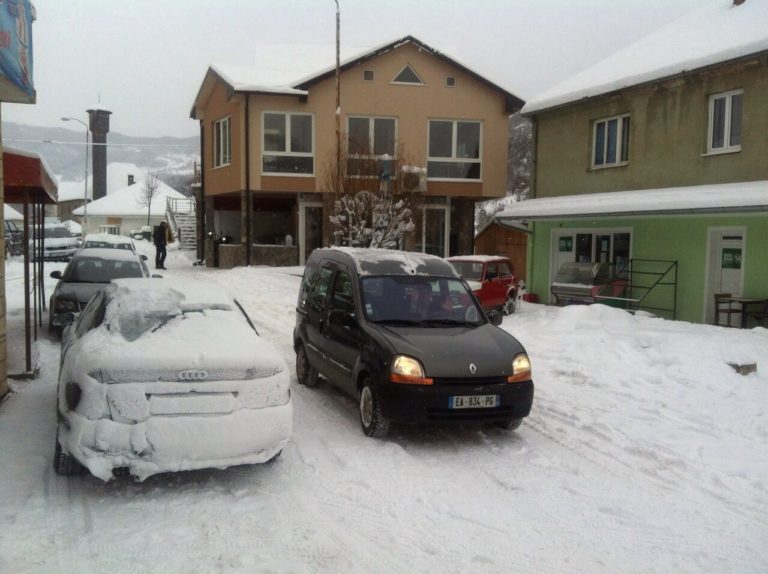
10, 214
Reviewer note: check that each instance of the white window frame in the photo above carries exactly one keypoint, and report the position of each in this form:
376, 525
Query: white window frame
371, 132
222, 147
421, 81
619, 141
109, 229
454, 145
373, 75
448, 81
288, 152
727, 147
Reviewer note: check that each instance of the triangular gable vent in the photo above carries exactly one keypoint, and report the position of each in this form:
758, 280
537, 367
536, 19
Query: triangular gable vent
408, 76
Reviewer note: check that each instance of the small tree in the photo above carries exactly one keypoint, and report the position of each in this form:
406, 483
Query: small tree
372, 210
148, 192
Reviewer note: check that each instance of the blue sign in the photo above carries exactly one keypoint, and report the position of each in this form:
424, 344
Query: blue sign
16, 46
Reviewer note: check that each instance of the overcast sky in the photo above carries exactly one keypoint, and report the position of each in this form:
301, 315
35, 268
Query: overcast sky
146, 58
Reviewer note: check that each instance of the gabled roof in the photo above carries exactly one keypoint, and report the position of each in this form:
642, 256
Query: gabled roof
513, 102
748, 196
240, 79
715, 33
125, 201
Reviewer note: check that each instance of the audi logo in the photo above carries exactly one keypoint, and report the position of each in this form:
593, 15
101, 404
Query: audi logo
193, 375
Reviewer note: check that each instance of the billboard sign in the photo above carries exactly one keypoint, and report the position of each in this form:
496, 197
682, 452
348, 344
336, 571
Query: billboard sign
16, 83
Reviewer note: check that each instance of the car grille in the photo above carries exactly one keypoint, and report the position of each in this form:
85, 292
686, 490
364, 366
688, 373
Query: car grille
474, 381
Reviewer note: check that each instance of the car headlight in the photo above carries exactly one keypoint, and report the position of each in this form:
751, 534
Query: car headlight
409, 371
521, 369
65, 305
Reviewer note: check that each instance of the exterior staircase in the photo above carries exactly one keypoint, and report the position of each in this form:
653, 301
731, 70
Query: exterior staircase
181, 214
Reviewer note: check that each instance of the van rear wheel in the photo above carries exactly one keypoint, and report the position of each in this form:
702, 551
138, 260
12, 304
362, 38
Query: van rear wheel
305, 374
374, 424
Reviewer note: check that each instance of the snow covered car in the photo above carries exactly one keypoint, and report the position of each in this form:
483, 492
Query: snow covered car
108, 241
402, 333
161, 376
13, 238
58, 242
89, 271
491, 278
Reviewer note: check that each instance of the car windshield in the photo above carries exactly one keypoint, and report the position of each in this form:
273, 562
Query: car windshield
472, 270
91, 243
57, 232
419, 300
91, 270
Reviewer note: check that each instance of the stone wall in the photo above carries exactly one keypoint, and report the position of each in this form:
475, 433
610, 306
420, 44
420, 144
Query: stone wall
272, 255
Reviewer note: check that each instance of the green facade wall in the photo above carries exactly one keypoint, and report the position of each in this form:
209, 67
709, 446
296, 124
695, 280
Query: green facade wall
682, 239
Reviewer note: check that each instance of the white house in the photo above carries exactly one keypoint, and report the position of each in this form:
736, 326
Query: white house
124, 209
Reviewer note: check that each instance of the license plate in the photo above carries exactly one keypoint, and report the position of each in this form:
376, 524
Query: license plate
473, 402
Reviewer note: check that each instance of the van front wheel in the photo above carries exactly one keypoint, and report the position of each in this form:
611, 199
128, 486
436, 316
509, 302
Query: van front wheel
374, 424
305, 374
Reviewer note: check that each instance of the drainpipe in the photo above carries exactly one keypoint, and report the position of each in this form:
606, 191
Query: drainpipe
248, 192
202, 231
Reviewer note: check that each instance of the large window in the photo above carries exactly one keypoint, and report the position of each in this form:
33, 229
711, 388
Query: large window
221, 143
368, 141
725, 122
611, 142
454, 150
287, 144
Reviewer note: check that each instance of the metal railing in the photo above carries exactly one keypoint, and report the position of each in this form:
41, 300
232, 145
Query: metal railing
641, 277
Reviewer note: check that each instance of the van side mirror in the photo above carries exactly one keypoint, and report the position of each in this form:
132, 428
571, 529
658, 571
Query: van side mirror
495, 317
56, 274
144, 257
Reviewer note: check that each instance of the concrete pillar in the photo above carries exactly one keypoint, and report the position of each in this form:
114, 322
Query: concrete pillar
99, 126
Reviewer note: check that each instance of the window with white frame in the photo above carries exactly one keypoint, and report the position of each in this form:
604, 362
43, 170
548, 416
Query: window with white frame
287, 145
369, 139
610, 138
725, 122
221, 143
454, 149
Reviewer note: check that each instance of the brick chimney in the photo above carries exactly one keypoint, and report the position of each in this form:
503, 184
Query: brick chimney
99, 120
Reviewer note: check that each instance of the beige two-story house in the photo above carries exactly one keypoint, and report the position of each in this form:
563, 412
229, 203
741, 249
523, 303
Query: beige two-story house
270, 151
654, 162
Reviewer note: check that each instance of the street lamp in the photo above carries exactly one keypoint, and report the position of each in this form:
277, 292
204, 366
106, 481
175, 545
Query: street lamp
85, 192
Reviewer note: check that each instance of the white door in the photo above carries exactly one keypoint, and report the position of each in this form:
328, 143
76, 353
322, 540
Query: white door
725, 267
310, 228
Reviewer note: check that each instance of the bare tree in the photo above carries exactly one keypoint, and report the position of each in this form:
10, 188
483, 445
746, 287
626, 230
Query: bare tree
148, 192
373, 210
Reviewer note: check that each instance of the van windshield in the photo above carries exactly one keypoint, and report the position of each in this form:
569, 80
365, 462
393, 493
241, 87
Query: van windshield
421, 300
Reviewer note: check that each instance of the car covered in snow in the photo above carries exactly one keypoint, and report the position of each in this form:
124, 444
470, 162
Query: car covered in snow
107, 241
161, 376
59, 244
86, 273
492, 279
402, 333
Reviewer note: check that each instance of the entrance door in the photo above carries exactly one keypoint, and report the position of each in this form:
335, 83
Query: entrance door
310, 229
434, 230
725, 269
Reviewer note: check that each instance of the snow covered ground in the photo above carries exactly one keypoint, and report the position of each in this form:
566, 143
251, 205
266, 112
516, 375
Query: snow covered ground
644, 452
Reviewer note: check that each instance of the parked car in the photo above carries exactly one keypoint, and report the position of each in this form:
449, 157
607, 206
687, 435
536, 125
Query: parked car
87, 273
144, 233
402, 333
145, 388
58, 242
108, 241
14, 242
492, 279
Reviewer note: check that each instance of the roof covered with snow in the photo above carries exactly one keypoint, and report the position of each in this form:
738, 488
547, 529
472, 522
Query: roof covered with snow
10, 213
117, 178
718, 198
716, 32
127, 201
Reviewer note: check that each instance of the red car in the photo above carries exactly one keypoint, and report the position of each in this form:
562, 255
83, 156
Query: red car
492, 279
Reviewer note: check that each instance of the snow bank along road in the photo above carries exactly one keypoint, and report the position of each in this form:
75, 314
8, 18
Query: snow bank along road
644, 452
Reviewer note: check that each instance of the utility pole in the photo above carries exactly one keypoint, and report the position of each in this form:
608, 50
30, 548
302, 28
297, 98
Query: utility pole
339, 182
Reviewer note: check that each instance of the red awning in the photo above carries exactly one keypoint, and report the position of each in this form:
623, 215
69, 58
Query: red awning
25, 172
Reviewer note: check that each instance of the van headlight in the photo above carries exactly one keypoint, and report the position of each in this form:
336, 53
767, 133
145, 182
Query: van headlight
521, 369
409, 371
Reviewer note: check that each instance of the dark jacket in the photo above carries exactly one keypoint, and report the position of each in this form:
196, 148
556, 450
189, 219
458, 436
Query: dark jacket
160, 235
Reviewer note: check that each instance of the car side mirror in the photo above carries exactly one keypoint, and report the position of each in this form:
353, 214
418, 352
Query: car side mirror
56, 274
144, 257
495, 317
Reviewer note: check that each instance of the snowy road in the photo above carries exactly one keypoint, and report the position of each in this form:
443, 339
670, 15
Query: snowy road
644, 452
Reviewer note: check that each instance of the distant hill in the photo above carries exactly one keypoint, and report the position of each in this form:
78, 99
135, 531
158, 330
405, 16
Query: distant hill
172, 158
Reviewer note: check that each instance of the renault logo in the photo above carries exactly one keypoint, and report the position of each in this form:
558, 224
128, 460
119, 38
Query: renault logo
193, 375
472, 368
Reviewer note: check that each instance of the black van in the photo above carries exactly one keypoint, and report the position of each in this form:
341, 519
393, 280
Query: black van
403, 333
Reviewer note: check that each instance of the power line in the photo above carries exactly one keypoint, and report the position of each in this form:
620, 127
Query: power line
57, 142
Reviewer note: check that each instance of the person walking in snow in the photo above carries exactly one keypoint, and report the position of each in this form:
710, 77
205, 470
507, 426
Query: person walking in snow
162, 235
